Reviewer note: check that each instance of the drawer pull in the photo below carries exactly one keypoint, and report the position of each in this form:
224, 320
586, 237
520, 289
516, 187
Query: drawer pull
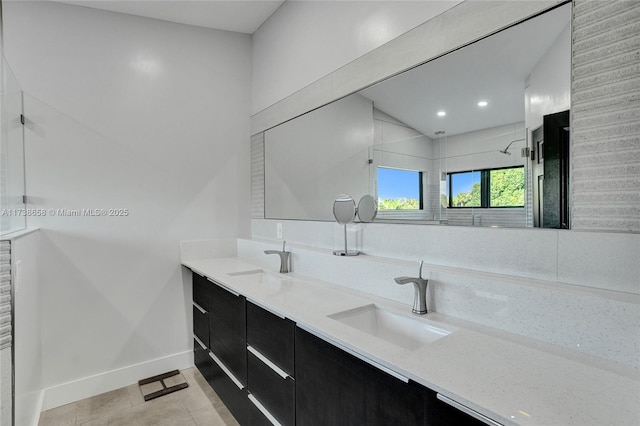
268, 362
263, 410
226, 371
200, 308
467, 410
354, 353
224, 287
199, 342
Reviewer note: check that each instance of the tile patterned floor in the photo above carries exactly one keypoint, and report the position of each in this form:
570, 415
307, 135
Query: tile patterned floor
197, 405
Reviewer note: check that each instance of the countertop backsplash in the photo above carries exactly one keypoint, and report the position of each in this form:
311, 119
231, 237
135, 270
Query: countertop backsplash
596, 322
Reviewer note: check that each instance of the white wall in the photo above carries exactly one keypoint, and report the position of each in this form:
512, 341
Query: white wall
549, 88
129, 113
305, 40
311, 160
480, 149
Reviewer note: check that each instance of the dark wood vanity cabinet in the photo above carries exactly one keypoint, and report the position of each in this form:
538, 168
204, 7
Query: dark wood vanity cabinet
334, 387
200, 307
272, 335
228, 349
219, 343
201, 297
262, 365
270, 355
227, 330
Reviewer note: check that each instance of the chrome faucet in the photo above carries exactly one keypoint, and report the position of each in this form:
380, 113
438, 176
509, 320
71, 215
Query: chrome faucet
284, 258
420, 295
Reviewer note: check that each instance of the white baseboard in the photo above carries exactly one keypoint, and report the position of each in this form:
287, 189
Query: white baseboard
86, 387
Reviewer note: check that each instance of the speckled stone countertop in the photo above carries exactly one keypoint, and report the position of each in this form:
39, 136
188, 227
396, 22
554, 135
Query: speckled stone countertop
508, 378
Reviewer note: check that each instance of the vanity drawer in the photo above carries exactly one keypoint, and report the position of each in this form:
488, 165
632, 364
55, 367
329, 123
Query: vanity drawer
201, 291
272, 336
227, 310
201, 324
228, 330
232, 393
232, 351
256, 417
202, 360
274, 392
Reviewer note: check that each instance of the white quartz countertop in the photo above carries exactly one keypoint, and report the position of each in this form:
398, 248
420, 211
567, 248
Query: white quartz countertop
508, 378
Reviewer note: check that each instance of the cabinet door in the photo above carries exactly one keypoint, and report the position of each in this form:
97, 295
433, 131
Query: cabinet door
329, 385
201, 325
227, 331
272, 336
391, 401
201, 291
230, 391
334, 387
201, 297
270, 359
275, 393
202, 360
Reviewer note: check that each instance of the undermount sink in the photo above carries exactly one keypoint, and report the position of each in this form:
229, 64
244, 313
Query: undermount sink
267, 282
259, 276
404, 331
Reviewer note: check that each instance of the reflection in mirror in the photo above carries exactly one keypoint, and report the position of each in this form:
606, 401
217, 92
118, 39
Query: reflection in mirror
311, 158
367, 208
450, 141
344, 210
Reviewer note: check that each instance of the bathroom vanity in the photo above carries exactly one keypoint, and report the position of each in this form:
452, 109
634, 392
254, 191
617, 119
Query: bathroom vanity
269, 370
286, 349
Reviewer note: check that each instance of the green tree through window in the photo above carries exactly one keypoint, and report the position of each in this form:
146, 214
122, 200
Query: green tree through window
489, 188
507, 187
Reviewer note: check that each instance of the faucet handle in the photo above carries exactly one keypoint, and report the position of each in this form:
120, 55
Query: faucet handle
284, 243
420, 271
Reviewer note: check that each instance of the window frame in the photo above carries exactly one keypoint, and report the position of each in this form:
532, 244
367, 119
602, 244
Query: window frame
420, 188
485, 188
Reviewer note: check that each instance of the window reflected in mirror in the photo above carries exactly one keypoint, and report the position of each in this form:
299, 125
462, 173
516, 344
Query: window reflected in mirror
490, 188
476, 165
399, 189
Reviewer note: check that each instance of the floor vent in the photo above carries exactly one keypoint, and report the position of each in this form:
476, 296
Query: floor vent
162, 384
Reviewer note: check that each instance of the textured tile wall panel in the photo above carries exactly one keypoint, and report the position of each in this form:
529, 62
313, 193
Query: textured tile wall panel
5, 294
605, 155
506, 218
257, 176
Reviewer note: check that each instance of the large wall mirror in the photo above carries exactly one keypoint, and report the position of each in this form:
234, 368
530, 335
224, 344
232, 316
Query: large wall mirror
478, 137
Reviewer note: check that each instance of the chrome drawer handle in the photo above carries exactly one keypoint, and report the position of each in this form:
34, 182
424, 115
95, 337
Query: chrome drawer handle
280, 372
224, 287
226, 371
263, 410
200, 308
467, 410
199, 342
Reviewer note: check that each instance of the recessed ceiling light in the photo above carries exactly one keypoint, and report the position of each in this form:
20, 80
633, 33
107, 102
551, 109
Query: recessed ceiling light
441, 113
482, 103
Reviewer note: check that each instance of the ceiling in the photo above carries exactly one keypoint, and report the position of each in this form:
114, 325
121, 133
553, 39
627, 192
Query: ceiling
244, 16
493, 70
